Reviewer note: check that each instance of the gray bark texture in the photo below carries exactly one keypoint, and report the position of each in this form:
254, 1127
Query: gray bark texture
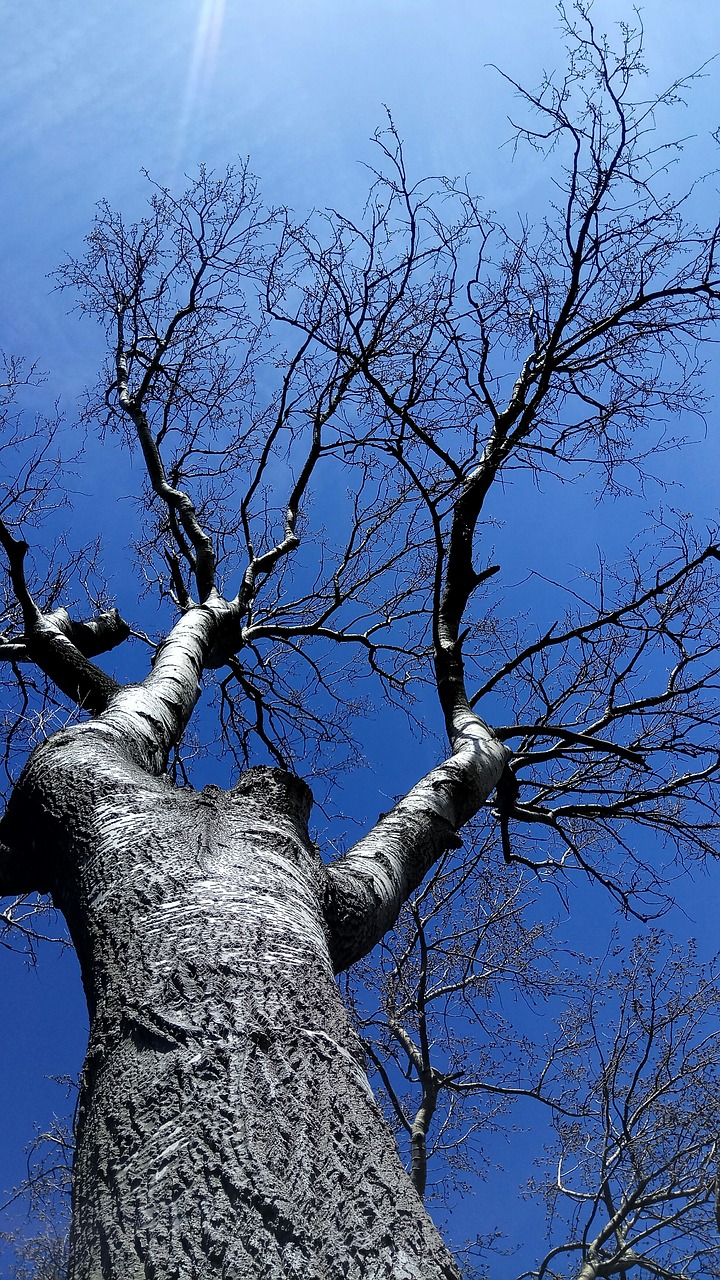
226, 1126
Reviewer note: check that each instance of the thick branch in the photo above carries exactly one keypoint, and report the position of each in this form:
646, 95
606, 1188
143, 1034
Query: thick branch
91, 636
152, 716
48, 644
179, 504
368, 886
566, 735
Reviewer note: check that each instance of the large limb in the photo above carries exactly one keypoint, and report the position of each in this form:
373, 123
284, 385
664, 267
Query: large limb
151, 717
60, 647
92, 636
369, 885
154, 714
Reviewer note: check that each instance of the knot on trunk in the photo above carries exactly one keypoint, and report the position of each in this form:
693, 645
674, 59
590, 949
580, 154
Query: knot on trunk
277, 789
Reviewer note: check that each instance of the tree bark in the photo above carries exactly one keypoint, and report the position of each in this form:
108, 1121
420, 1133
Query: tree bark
226, 1127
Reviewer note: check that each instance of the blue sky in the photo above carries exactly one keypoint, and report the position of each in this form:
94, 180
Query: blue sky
92, 94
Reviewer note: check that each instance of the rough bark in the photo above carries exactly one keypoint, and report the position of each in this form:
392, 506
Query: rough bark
370, 884
226, 1127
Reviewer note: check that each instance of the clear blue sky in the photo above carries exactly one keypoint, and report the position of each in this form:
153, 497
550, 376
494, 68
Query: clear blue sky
91, 94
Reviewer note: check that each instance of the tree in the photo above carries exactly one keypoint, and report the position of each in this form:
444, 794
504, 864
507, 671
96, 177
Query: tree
635, 1157
42, 1253
448, 1057
413, 362
626, 1071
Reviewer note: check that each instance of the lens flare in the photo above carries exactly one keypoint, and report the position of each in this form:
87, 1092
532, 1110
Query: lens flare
201, 71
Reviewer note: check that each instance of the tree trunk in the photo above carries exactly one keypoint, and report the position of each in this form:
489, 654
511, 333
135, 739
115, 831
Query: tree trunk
226, 1127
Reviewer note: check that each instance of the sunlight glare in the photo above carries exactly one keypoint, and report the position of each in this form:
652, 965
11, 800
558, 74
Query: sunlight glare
200, 74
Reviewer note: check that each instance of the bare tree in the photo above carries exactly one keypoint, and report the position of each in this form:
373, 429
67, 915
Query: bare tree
40, 1246
411, 362
446, 1052
620, 1057
634, 1186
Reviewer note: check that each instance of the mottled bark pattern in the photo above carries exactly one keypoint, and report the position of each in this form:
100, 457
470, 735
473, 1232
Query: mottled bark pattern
226, 1126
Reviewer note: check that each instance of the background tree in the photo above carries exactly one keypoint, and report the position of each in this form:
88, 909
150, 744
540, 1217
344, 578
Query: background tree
621, 1058
42, 1253
635, 1157
431, 354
